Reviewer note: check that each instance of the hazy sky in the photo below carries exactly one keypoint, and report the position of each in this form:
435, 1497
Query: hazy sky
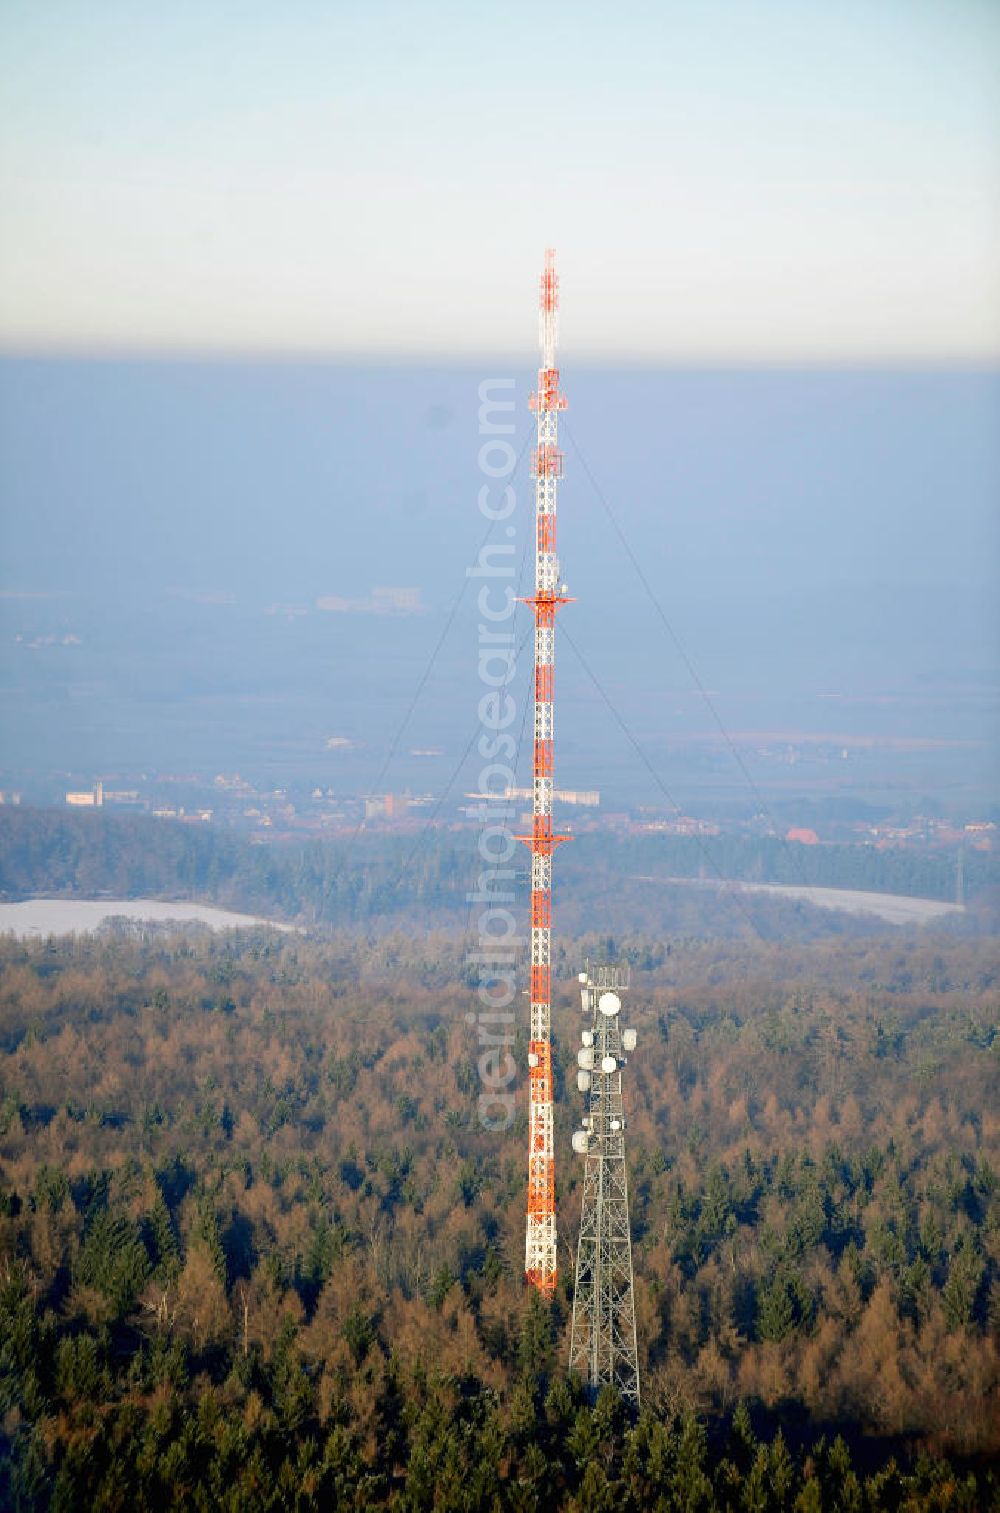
782, 179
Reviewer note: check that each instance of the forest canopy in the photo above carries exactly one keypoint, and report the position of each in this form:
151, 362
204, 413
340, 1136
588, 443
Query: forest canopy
256, 1250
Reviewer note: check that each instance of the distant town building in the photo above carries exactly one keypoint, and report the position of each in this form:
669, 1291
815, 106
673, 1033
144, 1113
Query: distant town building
397, 601
802, 835
682, 824
586, 797
92, 798
190, 817
233, 783
382, 601
386, 806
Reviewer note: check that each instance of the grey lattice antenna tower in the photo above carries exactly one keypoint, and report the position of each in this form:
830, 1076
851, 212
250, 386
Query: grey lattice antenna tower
602, 1345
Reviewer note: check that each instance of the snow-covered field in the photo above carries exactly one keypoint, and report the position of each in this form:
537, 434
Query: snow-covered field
71, 916
894, 907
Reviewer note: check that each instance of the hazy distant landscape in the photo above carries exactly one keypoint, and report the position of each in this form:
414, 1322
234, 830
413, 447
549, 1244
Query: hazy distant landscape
822, 543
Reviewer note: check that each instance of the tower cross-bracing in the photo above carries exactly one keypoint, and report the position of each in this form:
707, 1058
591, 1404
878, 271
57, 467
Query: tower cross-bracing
549, 594
602, 1343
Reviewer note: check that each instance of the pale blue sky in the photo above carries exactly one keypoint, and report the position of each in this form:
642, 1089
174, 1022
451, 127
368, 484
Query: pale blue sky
724, 180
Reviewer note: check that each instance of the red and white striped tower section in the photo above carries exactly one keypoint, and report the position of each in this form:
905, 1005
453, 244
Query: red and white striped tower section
540, 1246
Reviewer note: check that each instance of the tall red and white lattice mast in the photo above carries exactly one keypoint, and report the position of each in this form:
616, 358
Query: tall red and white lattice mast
540, 1246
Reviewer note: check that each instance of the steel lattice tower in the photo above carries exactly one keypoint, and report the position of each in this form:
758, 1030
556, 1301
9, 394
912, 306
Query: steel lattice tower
602, 1344
547, 467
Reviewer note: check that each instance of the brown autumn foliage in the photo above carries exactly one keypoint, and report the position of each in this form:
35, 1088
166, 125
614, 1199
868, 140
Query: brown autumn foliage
269, 1146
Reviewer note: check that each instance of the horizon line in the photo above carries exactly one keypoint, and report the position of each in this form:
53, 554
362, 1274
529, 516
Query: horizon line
952, 362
